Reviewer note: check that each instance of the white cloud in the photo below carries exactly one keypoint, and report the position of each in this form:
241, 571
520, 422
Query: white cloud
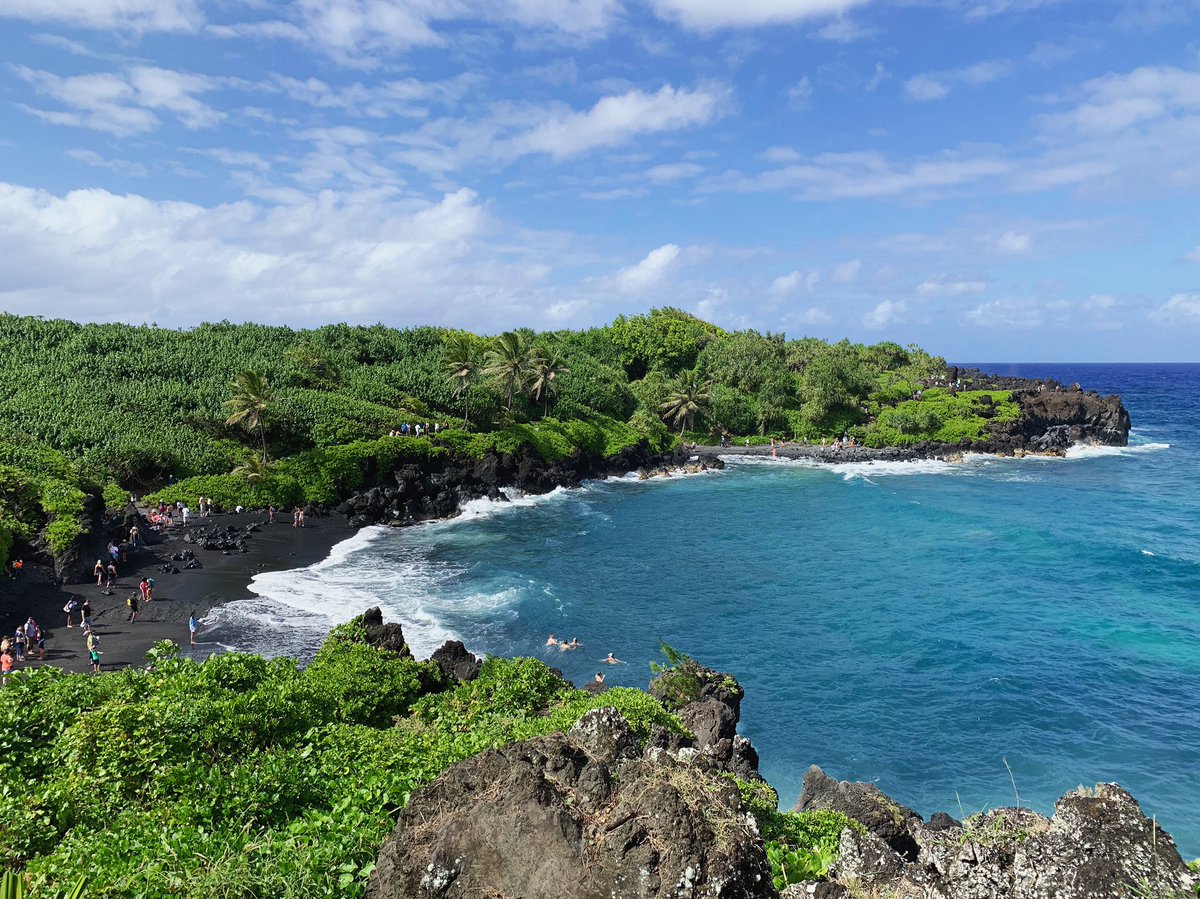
884, 314
867, 174
937, 85
846, 272
1120, 101
1012, 243
1181, 309
944, 285
650, 272
813, 316
120, 166
123, 104
1021, 314
793, 281
800, 94
779, 154
91, 255
123, 15
615, 119
673, 171
359, 32
708, 15
844, 30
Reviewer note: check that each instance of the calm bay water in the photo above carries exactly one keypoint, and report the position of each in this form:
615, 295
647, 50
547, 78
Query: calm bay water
912, 625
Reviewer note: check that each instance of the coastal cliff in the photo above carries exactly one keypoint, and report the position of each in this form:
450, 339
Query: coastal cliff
601, 811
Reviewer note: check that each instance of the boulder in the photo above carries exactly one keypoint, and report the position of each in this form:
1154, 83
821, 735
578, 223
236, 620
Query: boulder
388, 637
582, 814
863, 802
457, 663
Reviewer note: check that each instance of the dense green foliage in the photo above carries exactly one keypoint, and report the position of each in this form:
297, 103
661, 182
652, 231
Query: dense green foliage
242, 777
256, 414
800, 845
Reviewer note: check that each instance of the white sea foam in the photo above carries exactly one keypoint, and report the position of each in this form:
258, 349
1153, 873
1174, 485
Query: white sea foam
1095, 451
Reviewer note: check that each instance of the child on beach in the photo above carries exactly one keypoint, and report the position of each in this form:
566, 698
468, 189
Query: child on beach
93, 648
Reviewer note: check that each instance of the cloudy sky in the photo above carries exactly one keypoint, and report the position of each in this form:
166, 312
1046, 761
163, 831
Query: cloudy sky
993, 179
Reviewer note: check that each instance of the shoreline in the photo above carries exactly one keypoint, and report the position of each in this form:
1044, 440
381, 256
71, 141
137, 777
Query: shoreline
223, 578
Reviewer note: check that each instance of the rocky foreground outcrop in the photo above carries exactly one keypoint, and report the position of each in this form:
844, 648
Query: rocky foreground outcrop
1097, 845
586, 814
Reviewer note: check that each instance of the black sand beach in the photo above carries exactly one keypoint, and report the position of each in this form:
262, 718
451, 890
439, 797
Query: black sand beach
222, 579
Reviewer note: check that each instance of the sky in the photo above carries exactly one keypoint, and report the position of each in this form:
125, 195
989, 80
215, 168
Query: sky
1003, 180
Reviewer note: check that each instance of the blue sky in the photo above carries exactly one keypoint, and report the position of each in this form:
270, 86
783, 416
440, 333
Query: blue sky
992, 179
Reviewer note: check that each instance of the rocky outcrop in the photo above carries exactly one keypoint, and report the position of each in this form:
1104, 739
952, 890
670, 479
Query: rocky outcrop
458, 665
388, 637
1057, 419
1097, 845
585, 814
709, 703
441, 486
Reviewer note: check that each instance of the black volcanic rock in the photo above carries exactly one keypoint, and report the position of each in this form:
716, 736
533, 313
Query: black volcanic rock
388, 637
866, 804
582, 814
457, 663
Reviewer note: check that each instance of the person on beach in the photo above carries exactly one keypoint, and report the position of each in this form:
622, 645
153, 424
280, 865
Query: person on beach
193, 626
20, 641
112, 574
296, 517
6, 666
98, 570
94, 653
70, 608
149, 589
301, 518
610, 659
550, 641
132, 603
39, 639
186, 513
135, 536
86, 611
270, 514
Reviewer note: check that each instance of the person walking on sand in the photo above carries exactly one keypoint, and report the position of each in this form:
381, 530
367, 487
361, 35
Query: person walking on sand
94, 653
112, 574
70, 608
193, 626
132, 603
86, 611
186, 513
98, 570
271, 514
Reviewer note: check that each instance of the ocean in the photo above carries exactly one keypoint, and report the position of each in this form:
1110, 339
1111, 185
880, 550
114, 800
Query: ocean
965, 636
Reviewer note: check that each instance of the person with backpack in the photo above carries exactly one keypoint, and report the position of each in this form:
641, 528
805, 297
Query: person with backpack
132, 603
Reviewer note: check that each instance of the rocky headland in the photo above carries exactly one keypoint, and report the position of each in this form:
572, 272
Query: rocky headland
602, 812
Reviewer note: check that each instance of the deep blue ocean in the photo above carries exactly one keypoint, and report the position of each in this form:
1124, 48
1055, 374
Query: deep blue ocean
919, 626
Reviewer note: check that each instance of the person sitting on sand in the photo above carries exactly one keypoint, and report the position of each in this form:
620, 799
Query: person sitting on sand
550, 641
612, 660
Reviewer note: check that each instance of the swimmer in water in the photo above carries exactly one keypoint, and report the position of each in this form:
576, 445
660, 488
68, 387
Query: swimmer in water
599, 678
550, 641
612, 660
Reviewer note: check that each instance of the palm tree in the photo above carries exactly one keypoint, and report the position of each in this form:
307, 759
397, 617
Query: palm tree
688, 399
253, 469
508, 361
545, 367
459, 362
248, 406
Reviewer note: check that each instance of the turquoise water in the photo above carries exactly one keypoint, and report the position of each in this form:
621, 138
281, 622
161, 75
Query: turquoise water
918, 626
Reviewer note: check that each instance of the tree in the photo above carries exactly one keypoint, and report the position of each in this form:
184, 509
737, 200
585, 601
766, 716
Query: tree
689, 398
253, 469
546, 366
508, 361
461, 366
249, 404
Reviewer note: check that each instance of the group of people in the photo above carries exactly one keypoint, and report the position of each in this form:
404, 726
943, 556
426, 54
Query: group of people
407, 430
27, 639
573, 643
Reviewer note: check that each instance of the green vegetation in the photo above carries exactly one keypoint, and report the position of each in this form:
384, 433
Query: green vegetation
254, 414
800, 845
242, 777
